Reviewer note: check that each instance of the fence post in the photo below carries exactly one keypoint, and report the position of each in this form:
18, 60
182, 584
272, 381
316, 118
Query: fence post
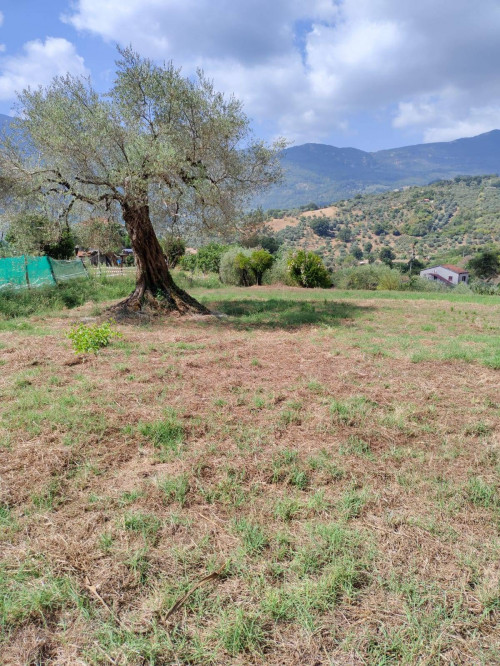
26, 271
49, 259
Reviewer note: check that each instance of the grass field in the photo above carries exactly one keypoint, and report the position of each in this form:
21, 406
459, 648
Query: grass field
311, 478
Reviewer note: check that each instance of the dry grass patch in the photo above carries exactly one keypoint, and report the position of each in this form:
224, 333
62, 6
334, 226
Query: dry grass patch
171, 500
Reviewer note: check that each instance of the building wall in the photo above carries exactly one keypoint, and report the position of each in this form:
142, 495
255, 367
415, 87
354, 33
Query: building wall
447, 275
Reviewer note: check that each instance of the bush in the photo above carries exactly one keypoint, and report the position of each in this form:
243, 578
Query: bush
368, 277
417, 283
320, 226
345, 235
269, 243
209, 256
235, 267
462, 288
279, 273
189, 262
484, 288
261, 261
92, 337
389, 280
387, 256
308, 270
357, 277
173, 248
485, 265
64, 248
189, 280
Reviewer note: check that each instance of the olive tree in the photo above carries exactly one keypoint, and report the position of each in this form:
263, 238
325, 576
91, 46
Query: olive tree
157, 143
100, 234
34, 233
485, 265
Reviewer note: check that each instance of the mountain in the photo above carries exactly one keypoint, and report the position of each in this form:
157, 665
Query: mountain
323, 174
4, 122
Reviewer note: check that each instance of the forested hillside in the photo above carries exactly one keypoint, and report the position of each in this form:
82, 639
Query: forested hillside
322, 173
443, 219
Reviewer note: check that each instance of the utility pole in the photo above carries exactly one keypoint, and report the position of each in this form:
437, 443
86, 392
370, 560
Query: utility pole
412, 258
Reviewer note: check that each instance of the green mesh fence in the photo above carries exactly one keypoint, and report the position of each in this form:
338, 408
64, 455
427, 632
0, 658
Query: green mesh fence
12, 273
23, 272
39, 272
67, 270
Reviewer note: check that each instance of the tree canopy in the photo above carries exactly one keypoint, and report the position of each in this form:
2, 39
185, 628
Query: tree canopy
486, 264
157, 145
100, 234
34, 233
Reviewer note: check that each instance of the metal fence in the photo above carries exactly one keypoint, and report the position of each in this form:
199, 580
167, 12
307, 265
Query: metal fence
111, 271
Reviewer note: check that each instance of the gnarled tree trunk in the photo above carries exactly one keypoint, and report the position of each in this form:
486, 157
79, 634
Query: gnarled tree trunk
155, 289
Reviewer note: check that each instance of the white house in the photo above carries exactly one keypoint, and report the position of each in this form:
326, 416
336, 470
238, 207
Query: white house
446, 273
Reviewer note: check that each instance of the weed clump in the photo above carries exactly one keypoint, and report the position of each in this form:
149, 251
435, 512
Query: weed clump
92, 337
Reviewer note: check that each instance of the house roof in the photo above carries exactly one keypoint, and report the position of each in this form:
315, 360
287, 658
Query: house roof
454, 269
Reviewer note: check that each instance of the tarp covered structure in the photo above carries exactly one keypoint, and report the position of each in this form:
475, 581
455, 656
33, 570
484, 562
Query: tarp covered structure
25, 272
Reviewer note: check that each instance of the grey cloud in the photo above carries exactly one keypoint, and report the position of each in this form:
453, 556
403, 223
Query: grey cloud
359, 56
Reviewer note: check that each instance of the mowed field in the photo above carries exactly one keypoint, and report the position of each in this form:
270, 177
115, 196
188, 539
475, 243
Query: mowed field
310, 479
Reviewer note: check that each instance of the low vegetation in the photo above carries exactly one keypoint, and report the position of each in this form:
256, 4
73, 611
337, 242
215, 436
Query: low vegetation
441, 222
92, 337
311, 478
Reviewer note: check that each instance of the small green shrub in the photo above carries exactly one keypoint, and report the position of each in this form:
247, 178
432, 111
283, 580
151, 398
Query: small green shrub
235, 267
209, 256
92, 337
418, 283
308, 270
188, 262
389, 280
260, 262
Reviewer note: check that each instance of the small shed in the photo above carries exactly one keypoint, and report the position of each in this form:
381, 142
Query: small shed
447, 273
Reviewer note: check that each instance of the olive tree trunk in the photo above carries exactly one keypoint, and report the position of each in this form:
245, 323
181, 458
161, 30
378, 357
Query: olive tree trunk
155, 289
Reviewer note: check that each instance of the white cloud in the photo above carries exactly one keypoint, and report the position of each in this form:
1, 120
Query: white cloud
38, 64
2, 46
448, 116
311, 66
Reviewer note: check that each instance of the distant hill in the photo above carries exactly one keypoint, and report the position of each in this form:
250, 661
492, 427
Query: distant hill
4, 122
446, 220
323, 174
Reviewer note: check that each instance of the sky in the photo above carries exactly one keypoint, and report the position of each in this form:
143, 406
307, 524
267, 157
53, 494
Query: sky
371, 74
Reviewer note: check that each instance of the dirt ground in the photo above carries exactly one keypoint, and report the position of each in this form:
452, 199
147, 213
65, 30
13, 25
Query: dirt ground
342, 503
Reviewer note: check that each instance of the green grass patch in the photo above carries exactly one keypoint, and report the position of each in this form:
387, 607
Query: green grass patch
71, 294
31, 591
175, 489
168, 434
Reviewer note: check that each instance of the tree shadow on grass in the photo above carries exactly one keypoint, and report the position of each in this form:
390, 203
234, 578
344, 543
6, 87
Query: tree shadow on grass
283, 313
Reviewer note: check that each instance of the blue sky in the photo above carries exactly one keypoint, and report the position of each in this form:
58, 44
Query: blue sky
365, 73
